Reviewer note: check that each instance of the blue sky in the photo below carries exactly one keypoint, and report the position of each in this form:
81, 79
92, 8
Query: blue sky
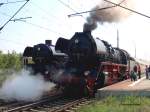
50, 21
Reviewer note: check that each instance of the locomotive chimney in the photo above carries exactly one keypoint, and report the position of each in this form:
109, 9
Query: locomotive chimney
48, 42
87, 31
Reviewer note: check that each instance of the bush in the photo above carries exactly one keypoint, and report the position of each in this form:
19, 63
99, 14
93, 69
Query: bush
10, 61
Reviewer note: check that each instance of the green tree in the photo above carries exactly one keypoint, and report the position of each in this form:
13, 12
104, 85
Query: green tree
10, 61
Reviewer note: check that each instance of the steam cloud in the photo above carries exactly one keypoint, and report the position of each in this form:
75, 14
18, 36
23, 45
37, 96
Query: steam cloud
114, 14
24, 87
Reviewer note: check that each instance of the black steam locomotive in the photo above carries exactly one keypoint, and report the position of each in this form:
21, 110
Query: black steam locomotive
81, 64
43, 59
92, 63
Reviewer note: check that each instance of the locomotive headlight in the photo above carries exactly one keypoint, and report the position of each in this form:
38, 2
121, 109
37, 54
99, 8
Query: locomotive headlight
76, 41
38, 49
46, 72
86, 73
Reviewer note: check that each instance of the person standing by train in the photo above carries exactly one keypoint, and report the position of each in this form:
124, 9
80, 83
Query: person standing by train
146, 71
149, 72
134, 74
139, 72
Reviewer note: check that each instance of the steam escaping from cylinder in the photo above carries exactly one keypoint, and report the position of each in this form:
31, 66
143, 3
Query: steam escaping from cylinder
24, 87
112, 14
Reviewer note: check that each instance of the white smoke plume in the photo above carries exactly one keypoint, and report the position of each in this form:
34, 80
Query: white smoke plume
63, 76
113, 14
24, 87
57, 76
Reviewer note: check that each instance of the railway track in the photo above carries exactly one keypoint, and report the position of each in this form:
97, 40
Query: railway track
51, 104
71, 106
12, 106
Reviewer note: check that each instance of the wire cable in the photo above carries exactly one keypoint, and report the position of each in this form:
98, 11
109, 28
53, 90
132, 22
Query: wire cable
128, 9
12, 2
35, 25
49, 15
70, 15
43, 10
66, 5
44, 28
104, 8
20, 19
14, 15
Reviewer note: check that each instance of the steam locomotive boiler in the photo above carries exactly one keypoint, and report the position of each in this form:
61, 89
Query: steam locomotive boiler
93, 63
43, 59
82, 48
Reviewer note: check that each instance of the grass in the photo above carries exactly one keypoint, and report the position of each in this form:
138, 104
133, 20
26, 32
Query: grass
118, 104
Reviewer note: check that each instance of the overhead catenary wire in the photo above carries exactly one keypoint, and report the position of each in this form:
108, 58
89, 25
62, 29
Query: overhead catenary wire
14, 15
70, 15
115, 4
11, 2
43, 10
35, 25
38, 26
103, 8
8, 16
20, 19
128, 9
44, 28
49, 15
69, 8
66, 5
